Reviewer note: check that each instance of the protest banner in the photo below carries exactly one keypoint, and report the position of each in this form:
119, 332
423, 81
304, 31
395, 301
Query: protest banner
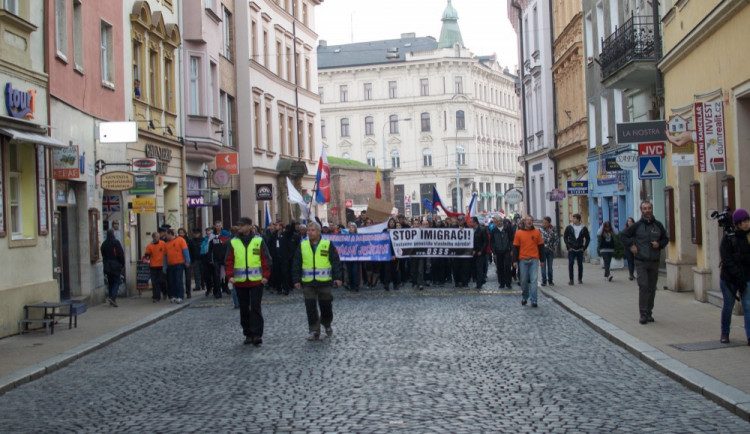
361, 247
432, 242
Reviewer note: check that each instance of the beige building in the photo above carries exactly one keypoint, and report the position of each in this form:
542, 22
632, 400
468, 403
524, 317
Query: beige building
571, 129
704, 63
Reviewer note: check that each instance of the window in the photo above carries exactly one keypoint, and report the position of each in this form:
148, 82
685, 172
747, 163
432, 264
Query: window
289, 63
392, 89
14, 191
304, 14
137, 53
371, 159
169, 84
592, 125
605, 119
589, 30
253, 40
320, 92
282, 136
210, 4
460, 120
223, 112
323, 128
461, 156
343, 93
300, 137
425, 122
536, 30
269, 127
279, 59
22, 184
393, 121
599, 24
427, 158
290, 134
193, 91
459, 84
77, 34
227, 34
11, 6
61, 31
256, 124
108, 67
395, 160
369, 127
153, 78
211, 88
308, 71
368, 91
424, 87
311, 139
345, 127
265, 48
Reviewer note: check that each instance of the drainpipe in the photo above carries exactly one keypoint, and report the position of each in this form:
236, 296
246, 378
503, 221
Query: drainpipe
659, 91
554, 104
517, 6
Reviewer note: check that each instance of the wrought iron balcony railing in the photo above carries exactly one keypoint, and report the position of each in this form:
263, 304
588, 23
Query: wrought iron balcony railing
634, 41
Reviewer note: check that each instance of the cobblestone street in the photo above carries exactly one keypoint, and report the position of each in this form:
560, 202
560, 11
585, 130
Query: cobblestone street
440, 360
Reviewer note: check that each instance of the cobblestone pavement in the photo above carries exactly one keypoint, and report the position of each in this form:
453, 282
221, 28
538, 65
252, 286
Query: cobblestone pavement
440, 360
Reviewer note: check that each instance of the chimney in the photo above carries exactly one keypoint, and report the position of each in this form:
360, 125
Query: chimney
322, 43
411, 35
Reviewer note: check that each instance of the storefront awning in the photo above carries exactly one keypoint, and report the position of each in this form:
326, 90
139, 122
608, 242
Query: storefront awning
39, 139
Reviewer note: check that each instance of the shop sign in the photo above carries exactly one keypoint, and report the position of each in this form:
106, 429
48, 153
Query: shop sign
117, 181
513, 196
143, 184
144, 165
194, 201
611, 165
627, 161
65, 163
641, 132
264, 192
656, 148
709, 126
220, 177
555, 195
143, 205
163, 156
578, 188
20, 104
228, 162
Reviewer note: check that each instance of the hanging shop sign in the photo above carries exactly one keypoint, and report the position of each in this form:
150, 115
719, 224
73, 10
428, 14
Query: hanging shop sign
555, 195
162, 154
194, 201
144, 165
143, 184
20, 104
709, 128
578, 188
641, 132
228, 162
143, 205
611, 165
65, 163
117, 181
627, 161
513, 196
220, 177
264, 192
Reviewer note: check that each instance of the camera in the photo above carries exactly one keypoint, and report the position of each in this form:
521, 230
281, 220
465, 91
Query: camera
724, 219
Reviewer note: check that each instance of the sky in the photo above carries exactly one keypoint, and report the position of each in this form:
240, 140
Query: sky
484, 23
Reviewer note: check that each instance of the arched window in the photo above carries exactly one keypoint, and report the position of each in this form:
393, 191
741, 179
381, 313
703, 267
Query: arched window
395, 160
369, 131
345, 127
393, 120
425, 122
427, 158
371, 158
460, 120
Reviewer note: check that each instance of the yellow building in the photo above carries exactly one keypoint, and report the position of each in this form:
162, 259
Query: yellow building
568, 74
704, 62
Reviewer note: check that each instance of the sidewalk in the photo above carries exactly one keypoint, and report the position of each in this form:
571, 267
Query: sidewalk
611, 308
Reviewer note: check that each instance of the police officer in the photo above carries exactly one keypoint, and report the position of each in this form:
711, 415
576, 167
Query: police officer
248, 267
315, 266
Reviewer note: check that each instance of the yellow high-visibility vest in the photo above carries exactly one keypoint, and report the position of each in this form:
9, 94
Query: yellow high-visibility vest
247, 263
316, 266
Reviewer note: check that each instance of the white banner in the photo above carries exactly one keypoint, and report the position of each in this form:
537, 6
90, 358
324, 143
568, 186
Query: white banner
432, 242
709, 126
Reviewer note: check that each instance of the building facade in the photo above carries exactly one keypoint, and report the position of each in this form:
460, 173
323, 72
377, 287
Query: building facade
278, 130
26, 219
429, 110
571, 133
87, 87
702, 68
531, 20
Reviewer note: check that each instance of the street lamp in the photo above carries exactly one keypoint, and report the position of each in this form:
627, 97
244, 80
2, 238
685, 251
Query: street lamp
459, 149
383, 137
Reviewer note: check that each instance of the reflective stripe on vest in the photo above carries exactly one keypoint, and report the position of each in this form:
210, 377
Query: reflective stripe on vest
247, 262
316, 266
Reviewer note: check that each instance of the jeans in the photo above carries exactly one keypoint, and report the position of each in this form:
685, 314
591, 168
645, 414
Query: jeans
318, 297
728, 291
607, 257
175, 275
575, 255
528, 269
547, 266
113, 285
251, 316
648, 273
352, 268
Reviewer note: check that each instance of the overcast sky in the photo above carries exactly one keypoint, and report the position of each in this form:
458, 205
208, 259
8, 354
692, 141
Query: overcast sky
484, 23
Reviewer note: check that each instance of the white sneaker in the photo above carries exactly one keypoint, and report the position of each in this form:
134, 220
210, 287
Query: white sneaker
313, 336
172, 300
178, 300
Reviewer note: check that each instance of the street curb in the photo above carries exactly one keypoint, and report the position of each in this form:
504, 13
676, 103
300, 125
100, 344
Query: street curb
34, 372
731, 398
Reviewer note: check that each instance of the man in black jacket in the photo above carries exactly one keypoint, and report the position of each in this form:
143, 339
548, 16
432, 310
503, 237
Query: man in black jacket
478, 252
196, 266
502, 244
577, 240
113, 259
645, 240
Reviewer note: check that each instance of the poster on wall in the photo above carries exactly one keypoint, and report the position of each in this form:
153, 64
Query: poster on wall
709, 128
41, 188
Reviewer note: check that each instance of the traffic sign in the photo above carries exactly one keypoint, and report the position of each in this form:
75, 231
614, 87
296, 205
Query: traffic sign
649, 167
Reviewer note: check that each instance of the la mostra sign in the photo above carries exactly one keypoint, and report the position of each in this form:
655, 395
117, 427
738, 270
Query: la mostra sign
20, 104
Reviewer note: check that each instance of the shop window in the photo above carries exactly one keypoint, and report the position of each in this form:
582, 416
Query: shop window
696, 229
21, 191
107, 55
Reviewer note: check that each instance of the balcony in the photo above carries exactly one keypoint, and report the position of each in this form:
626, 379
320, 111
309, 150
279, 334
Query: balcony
629, 55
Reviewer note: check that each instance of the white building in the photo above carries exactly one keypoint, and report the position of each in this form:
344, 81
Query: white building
429, 109
535, 38
277, 128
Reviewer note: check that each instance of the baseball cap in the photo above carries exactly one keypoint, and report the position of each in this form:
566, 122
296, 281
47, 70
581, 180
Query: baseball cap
326, 225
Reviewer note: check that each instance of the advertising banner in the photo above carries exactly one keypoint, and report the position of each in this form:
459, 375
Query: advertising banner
709, 126
361, 247
432, 242
143, 184
579, 188
65, 163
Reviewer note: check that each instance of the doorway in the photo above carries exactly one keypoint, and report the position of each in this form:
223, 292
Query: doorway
63, 259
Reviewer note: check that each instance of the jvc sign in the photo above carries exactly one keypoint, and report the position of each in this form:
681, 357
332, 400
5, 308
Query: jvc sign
641, 132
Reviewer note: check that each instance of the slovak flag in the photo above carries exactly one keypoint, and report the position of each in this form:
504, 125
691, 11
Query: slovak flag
472, 207
323, 179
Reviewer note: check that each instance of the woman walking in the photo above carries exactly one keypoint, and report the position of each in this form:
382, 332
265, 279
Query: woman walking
607, 246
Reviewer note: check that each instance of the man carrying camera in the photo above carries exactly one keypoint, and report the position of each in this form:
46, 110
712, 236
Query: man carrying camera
735, 272
645, 239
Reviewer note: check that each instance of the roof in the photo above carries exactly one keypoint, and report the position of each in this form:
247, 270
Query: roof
450, 34
373, 52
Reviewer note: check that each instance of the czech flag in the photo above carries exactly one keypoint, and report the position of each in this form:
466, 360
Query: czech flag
378, 194
323, 179
436, 202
